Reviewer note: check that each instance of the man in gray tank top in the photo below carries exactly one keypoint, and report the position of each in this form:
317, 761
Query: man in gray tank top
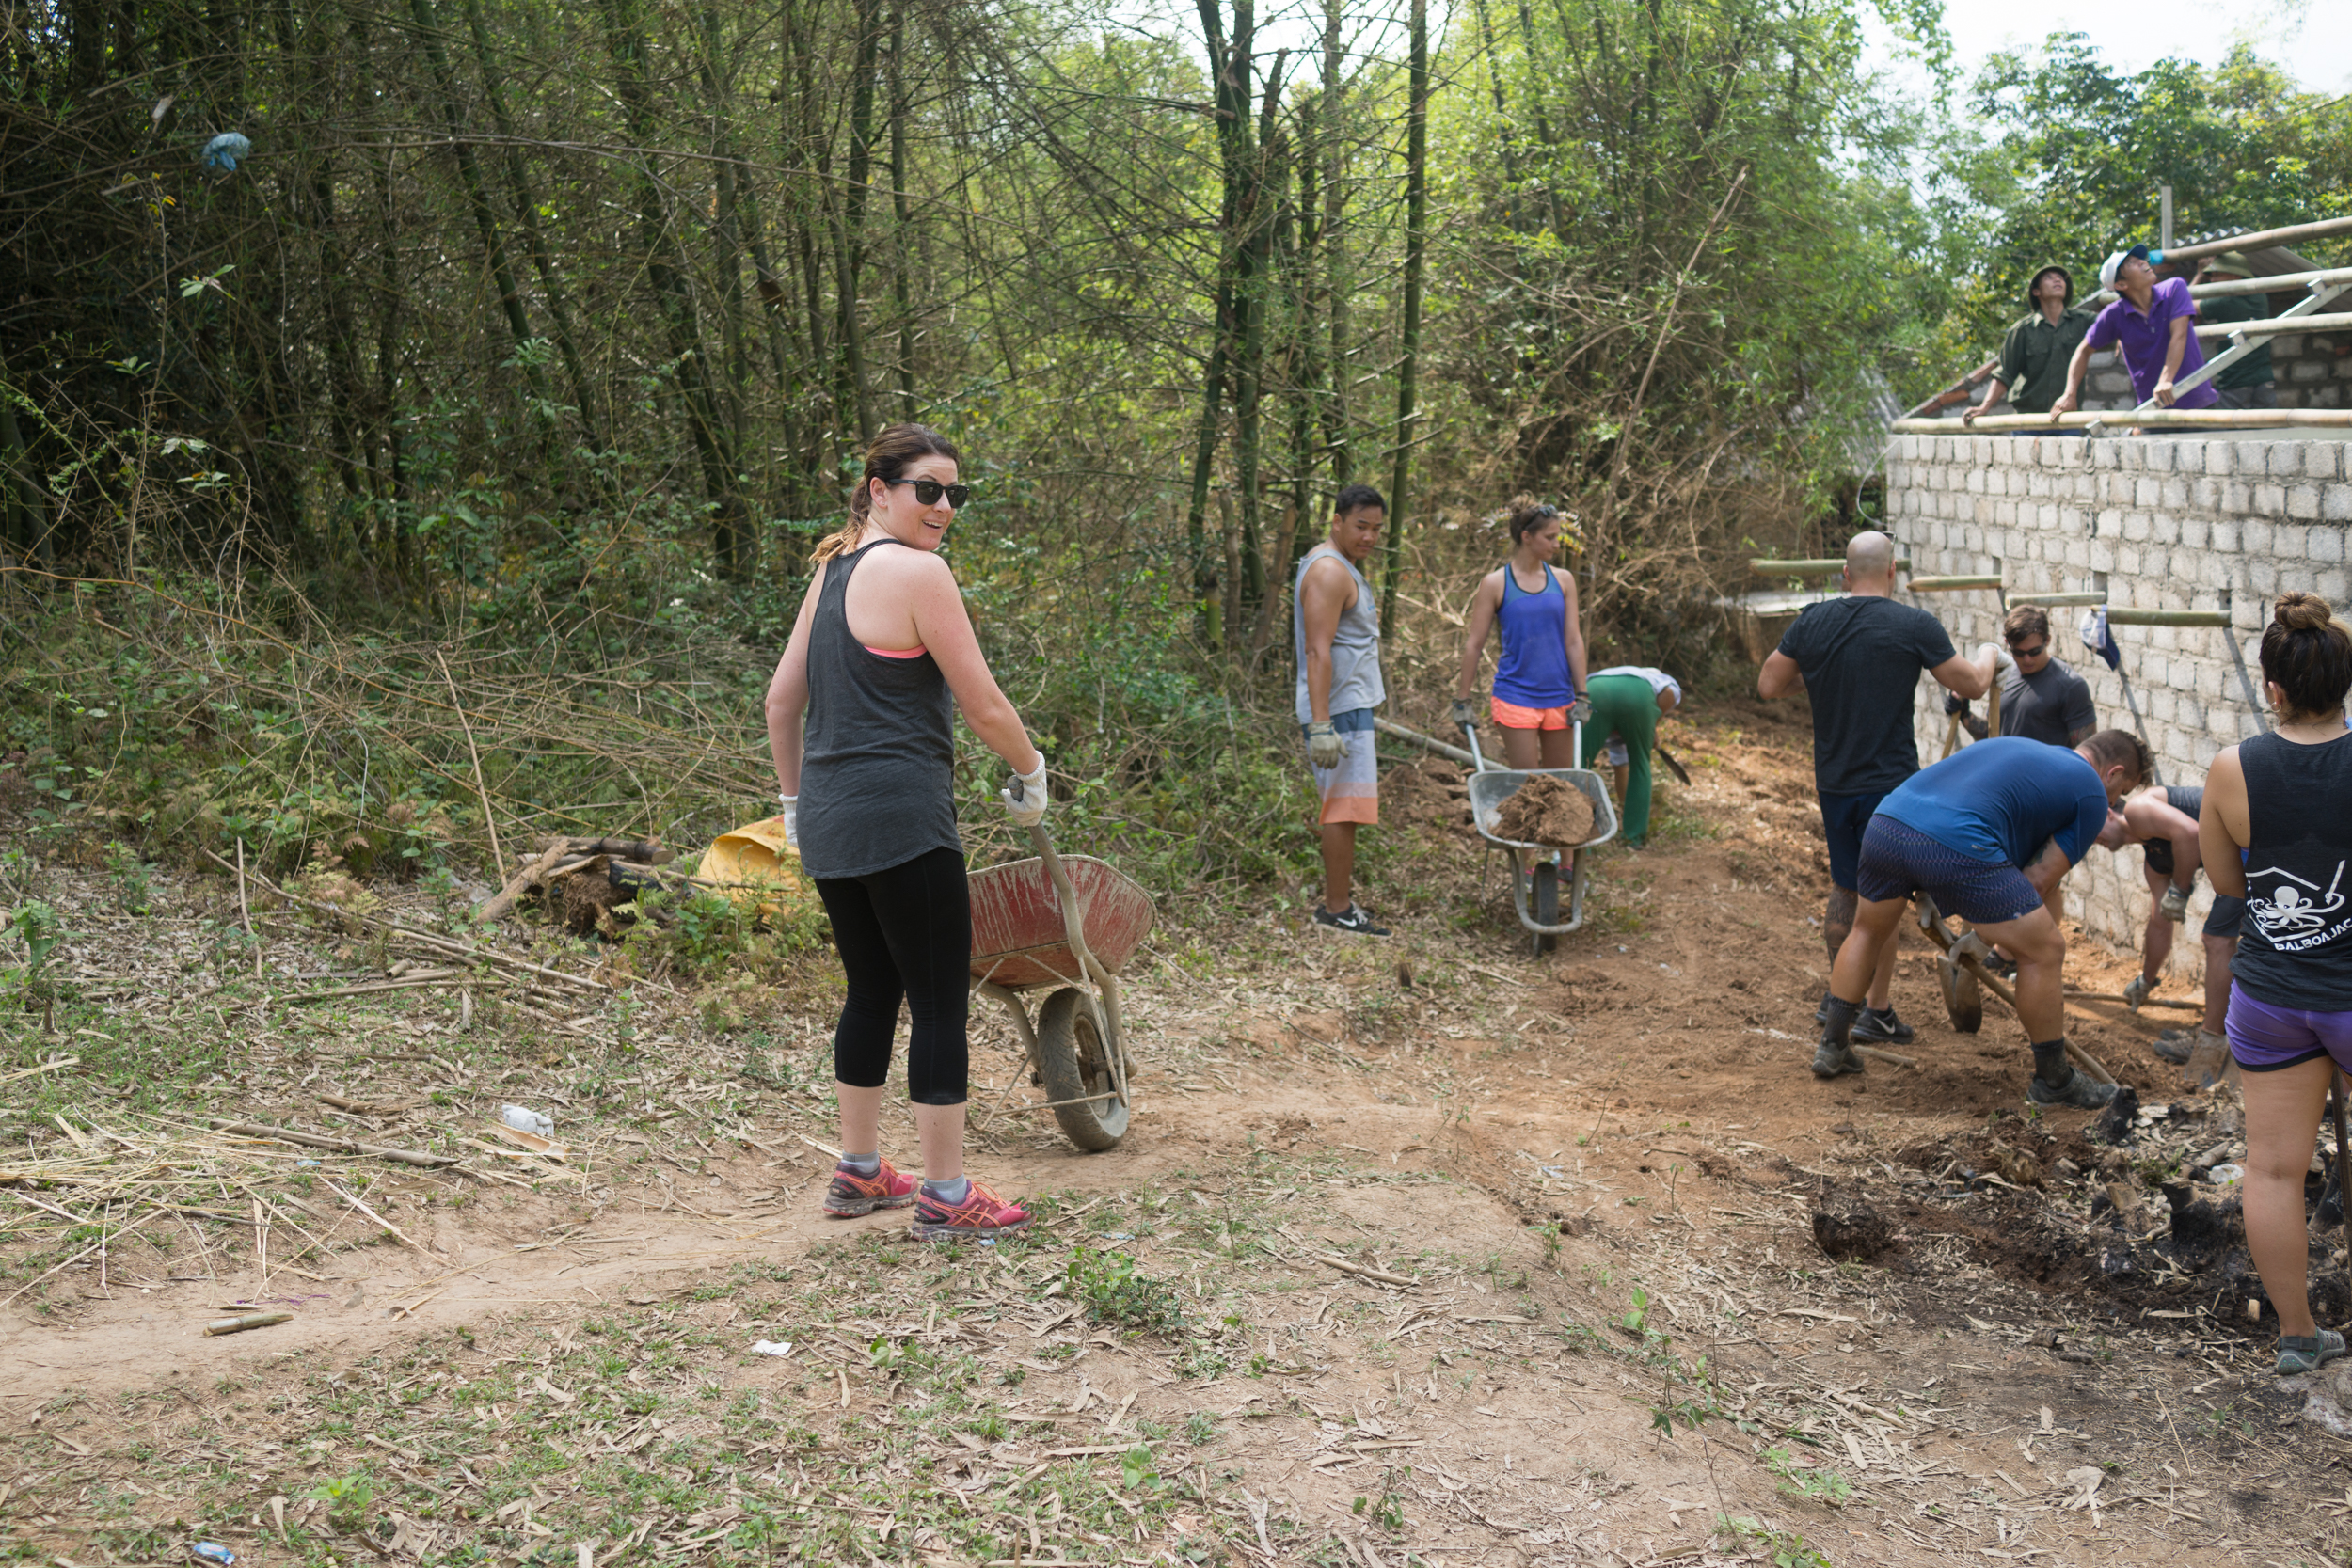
1335, 632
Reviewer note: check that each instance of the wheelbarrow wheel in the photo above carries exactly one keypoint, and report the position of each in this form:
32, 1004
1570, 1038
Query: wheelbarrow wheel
1075, 1059
1544, 903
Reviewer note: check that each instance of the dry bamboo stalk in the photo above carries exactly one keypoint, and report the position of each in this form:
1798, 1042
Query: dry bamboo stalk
341, 1146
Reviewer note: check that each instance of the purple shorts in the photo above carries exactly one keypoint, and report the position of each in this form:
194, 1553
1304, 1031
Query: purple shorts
2264, 1038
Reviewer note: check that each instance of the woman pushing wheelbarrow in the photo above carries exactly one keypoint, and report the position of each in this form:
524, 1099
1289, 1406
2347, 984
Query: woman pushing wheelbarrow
861, 720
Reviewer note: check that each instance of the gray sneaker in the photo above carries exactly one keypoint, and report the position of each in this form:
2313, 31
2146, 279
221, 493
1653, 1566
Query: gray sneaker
1831, 1060
2309, 1355
2079, 1091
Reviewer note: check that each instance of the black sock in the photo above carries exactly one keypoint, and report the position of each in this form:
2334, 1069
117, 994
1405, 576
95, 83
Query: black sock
1837, 1027
2050, 1064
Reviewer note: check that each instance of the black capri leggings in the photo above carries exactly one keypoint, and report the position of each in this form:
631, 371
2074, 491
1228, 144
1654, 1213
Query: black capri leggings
904, 932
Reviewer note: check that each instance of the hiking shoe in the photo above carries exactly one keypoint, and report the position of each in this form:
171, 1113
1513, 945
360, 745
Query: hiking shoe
2080, 1091
2174, 1045
850, 1195
2308, 1353
2174, 904
1354, 919
2136, 992
1879, 1026
981, 1214
1831, 1060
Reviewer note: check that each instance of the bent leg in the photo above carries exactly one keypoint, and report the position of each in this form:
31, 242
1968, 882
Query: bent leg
2038, 946
2156, 943
1877, 924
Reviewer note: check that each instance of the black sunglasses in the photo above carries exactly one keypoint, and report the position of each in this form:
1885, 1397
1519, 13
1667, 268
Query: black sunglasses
928, 491
2034, 652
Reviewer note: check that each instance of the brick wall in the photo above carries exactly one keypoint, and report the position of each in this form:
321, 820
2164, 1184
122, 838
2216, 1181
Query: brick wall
2162, 523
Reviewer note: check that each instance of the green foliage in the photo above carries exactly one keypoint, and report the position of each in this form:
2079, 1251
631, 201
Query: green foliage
2073, 174
1107, 1285
42, 930
348, 1500
1781, 1548
1823, 1485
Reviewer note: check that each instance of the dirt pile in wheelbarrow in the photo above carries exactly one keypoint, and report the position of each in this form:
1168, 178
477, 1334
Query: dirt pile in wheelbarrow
1546, 811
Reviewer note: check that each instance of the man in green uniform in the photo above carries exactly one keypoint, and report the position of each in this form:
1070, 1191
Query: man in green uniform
2248, 382
2034, 355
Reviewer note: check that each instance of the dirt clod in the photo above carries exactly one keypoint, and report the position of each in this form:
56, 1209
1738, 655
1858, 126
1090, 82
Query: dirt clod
2114, 1123
1860, 1235
1546, 811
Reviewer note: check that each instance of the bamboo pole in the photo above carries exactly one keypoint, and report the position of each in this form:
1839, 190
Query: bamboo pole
1765, 568
2151, 418
2333, 322
1954, 585
2056, 601
2259, 238
2123, 617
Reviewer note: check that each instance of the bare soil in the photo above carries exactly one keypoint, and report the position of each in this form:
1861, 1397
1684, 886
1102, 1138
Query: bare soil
1653, 1277
1546, 811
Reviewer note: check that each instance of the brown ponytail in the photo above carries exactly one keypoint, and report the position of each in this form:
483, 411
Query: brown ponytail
2307, 654
886, 459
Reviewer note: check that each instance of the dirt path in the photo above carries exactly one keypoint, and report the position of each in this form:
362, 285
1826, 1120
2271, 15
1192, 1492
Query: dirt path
1416, 1249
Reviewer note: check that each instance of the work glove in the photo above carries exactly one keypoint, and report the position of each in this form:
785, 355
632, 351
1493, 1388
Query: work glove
2137, 992
1463, 713
1024, 800
1955, 706
791, 819
1580, 710
1325, 747
2002, 658
2174, 904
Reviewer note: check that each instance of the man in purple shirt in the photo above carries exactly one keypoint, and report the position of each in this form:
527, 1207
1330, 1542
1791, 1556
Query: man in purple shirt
2154, 324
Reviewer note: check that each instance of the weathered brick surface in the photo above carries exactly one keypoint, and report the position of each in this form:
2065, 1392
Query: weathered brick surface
2188, 523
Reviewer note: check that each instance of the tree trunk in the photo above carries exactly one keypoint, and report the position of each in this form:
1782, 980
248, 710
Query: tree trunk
666, 273
908, 406
1234, 102
850, 234
1416, 247
527, 215
1339, 280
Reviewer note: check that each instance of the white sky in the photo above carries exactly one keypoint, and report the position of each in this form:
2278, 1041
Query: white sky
2313, 38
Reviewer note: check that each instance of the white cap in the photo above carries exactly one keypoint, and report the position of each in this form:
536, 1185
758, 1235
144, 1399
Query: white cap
2113, 264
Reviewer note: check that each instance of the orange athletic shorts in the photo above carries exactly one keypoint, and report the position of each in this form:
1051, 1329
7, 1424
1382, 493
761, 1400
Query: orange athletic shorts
1513, 717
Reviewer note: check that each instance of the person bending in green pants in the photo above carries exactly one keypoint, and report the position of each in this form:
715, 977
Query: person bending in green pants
1628, 701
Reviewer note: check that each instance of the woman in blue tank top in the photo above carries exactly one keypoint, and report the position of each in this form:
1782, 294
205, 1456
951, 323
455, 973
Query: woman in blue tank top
1539, 680
2284, 799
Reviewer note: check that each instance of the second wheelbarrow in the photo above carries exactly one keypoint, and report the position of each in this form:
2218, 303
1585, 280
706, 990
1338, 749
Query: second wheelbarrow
1535, 887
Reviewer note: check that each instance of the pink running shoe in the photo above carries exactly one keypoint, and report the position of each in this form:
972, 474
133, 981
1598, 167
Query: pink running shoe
850, 1195
981, 1214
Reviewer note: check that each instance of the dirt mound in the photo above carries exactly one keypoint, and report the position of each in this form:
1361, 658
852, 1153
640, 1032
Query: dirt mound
1861, 1235
1546, 811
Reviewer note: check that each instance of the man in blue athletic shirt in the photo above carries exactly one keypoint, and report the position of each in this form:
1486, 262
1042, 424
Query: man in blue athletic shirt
1987, 834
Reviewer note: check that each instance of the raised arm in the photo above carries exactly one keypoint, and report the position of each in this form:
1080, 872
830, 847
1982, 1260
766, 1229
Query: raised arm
1968, 679
2076, 369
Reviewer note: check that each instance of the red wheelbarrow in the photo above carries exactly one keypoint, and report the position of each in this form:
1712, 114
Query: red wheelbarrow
1069, 924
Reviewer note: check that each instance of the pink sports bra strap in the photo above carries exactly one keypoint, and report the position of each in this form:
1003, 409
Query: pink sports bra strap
916, 651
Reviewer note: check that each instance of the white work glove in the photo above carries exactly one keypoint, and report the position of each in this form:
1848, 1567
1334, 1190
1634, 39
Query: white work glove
1463, 713
791, 818
1325, 747
1580, 712
1027, 807
2002, 658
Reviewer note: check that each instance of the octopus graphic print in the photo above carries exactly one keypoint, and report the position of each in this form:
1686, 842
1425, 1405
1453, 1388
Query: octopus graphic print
2296, 915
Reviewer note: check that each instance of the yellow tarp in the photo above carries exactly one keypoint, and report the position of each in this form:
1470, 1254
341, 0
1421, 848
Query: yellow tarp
757, 869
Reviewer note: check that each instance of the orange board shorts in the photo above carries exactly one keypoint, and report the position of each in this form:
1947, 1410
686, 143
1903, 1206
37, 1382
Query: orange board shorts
1351, 792
1513, 717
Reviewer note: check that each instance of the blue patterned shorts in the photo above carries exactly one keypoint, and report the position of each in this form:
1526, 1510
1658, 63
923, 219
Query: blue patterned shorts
1898, 860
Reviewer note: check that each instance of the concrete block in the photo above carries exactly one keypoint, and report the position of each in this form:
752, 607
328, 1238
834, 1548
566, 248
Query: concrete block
2263, 574
2137, 525
2102, 556
2109, 523
2131, 456
2307, 372
2078, 553
2323, 544
2335, 502
2166, 524
2127, 557
2260, 536
2146, 492
2225, 535
2282, 459
2327, 582
2303, 500
2270, 499
2106, 455
2204, 494
2213, 571
2237, 496
2191, 534
2286, 540
2173, 494
2323, 459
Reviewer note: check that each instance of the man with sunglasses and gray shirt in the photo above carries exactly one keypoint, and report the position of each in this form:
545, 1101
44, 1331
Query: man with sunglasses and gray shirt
2042, 697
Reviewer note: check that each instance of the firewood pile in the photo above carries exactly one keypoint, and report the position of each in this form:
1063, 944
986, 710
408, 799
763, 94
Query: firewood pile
582, 881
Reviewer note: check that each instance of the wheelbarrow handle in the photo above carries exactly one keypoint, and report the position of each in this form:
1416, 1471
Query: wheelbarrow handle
1576, 747
1073, 930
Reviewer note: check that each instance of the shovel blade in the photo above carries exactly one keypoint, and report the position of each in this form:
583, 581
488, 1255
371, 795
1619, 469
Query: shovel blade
1963, 1000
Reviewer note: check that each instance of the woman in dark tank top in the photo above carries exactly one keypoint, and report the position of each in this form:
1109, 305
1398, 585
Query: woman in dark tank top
881, 657
2284, 800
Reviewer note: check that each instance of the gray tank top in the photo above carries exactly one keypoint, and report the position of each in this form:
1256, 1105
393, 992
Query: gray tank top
878, 752
1354, 644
